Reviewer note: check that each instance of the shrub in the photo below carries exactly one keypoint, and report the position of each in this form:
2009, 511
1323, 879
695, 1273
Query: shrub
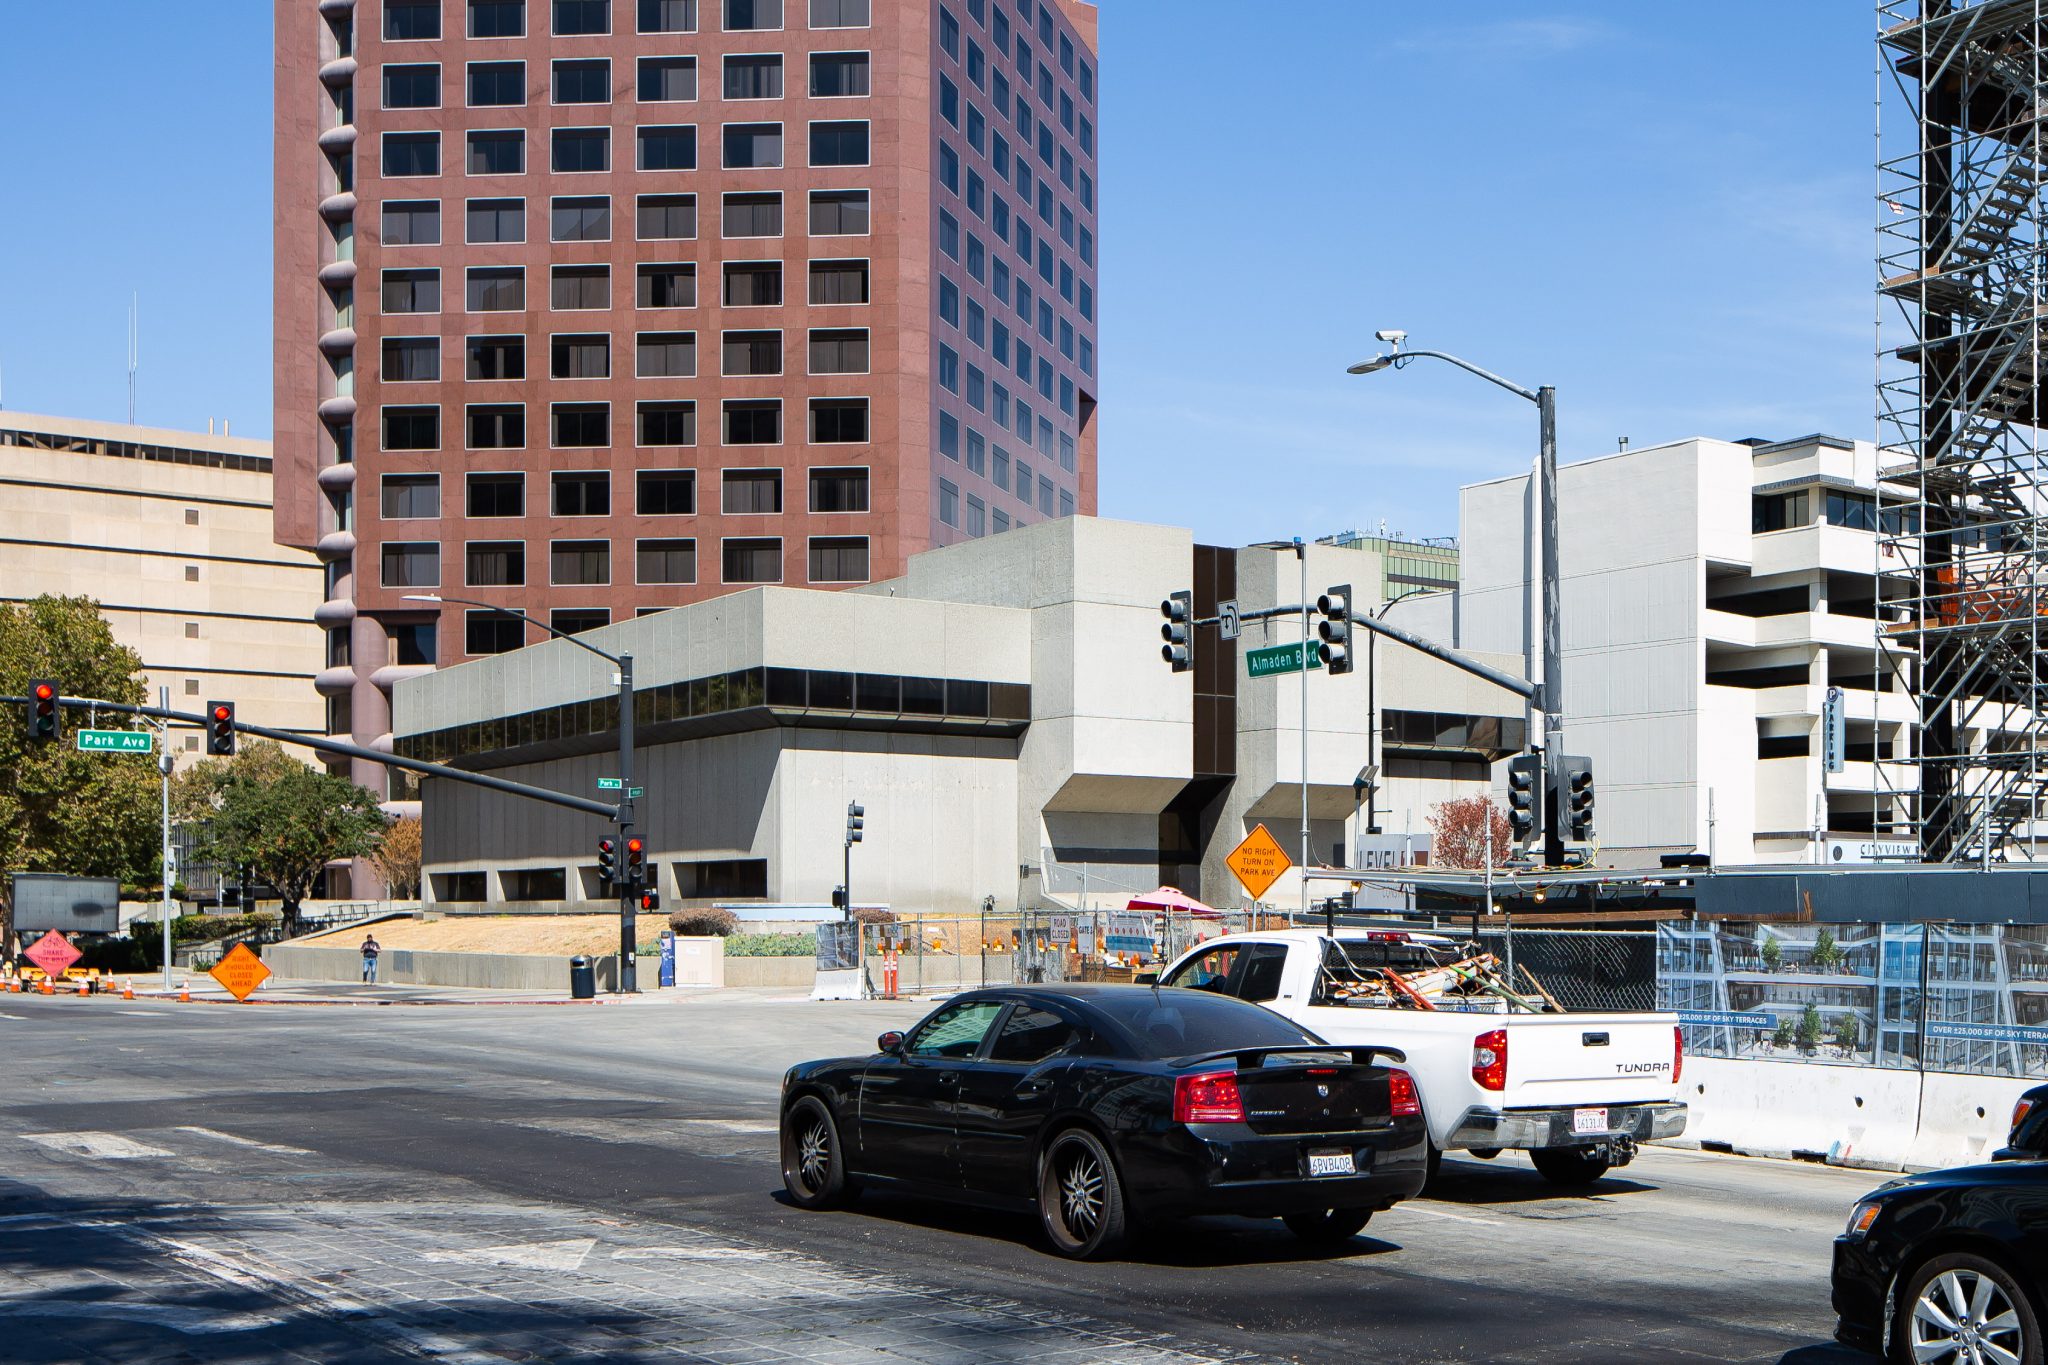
770, 945
706, 923
874, 915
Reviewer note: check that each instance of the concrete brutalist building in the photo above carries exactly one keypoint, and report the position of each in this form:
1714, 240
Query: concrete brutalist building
1001, 710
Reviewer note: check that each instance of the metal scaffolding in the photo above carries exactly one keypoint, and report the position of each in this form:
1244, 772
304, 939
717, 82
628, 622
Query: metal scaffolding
1963, 523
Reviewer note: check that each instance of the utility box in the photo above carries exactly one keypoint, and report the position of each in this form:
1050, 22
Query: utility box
70, 905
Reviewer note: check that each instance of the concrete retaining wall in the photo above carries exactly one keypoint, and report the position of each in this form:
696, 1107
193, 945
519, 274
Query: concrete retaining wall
404, 967
1847, 1115
792, 972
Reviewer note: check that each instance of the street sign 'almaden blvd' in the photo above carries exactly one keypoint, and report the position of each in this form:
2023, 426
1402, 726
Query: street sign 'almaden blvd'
241, 971
1258, 862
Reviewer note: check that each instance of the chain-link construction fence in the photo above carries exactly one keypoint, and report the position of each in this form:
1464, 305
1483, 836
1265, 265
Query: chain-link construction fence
1582, 969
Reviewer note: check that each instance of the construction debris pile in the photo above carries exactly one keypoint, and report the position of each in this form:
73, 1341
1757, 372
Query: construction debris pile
1475, 982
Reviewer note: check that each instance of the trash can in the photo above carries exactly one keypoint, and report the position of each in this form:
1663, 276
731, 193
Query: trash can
582, 979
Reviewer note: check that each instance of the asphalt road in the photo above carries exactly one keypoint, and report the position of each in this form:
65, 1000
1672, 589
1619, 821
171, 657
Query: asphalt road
478, 1183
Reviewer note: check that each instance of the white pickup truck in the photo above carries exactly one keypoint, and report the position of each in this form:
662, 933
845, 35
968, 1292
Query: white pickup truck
1577, 1091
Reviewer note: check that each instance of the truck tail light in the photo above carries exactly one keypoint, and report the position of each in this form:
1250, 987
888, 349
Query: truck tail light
1401, 1093
1208, 1097
2020, 1112
1490, 1060
1677, 1052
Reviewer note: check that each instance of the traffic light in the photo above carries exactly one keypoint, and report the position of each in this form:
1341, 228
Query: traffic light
1179, 611
1575, 797
1525, 797
856, 821
1335, 629
636, 862
220, 728
650, 899
42, 711
607, 860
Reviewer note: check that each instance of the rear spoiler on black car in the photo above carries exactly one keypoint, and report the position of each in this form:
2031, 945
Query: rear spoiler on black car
1250, 1057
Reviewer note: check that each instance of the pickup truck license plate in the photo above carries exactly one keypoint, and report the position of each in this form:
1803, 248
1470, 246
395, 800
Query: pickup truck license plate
1589, 1120
1331, 1163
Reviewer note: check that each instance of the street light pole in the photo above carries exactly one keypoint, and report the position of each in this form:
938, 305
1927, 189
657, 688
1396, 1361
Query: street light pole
629, 972
1552, 693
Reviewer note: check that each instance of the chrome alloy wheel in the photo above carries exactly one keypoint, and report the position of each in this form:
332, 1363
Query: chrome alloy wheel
814, 1153
1963, 1317
1081, 1192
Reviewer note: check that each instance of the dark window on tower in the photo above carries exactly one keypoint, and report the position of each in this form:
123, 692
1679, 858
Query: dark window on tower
581, 17
667, 286
581, 218
497, 153
666, 493
666, 79
410, 497
583, 493
753, 146
413, 86
412, 154
665, 561
839, 281
579, 287
666, 424
741, 15
839, 213
839, 13
752, 492
753, 284
753, 422
582, 426
586, 563
839, 490
668, 147
497, 289
752, 560
582, 149
490, 632
412, 643
494, 563
497, 18
495, 83
497, 426
412, 291
410, 20
839, 559
839, 73
580, 356
839, 143
753, 76
412, 360
753, 215
839, 420
497, 495
411, 564
668, 16
412, 428
412, 222
839, 350
667, 217
752, 353
496, 220
587, 80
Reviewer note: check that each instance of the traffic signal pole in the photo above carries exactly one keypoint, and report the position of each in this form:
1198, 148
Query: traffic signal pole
1552, 697
629, 889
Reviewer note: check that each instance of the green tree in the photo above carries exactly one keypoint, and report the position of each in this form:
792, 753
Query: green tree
1783, 1035
60, 810
1773, 955
1809, 1029
287, 821
1848, 1034
1827, 954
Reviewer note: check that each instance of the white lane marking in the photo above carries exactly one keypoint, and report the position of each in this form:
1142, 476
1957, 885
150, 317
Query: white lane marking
1453, 1217
696, 1254
733, 1125
191, 1321
100, 1146
17, 1018
218, 1136
563, 1255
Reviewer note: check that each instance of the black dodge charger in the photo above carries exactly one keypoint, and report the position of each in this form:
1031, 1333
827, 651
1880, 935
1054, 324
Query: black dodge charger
1948, 1268
1102, 1106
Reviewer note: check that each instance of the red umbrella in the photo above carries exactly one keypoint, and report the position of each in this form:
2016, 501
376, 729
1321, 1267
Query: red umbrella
1167, 898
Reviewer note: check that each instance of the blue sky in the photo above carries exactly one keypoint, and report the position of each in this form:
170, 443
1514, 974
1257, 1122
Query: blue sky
1665, 211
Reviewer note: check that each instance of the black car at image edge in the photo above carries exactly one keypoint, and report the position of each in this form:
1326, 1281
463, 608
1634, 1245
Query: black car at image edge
1101, 1106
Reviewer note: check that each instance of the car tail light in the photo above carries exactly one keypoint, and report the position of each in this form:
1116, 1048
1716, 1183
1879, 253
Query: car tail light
1387, 936
1401, 1093
1677, 1053
2020, 1112
1210, 1097
1490, 1060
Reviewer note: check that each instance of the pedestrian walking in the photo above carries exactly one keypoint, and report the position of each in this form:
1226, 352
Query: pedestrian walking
370, 951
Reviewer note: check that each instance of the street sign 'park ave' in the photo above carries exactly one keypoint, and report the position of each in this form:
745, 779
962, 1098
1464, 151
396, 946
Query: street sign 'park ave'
116, 741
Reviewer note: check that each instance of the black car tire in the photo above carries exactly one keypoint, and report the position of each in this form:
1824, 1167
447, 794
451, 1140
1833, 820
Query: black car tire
1571, 1166
1434, 1164
1964, 1271
813, 1159
1328, 1228
1080, 1198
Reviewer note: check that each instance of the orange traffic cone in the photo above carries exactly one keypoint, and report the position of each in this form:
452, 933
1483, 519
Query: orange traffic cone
127, 990
47, 988
185, 995
81, 986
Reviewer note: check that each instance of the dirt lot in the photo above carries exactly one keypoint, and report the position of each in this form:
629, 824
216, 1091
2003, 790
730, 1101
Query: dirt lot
541, 934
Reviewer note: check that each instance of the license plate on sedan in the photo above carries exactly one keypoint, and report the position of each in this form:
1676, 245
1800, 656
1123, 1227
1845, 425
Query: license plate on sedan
1331, 1163
1589, 1120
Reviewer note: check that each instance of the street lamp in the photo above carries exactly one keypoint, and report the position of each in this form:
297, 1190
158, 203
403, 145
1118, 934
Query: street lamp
628, 969
1545, 399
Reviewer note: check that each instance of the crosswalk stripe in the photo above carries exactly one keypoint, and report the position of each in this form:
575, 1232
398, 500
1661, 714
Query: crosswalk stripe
99, 1146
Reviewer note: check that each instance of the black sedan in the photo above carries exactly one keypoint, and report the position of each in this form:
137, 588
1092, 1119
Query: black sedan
1948, 1267
2029, 1135
1102, 1106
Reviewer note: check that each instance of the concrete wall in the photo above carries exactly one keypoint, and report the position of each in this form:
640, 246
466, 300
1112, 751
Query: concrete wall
404, 967
1848, 1115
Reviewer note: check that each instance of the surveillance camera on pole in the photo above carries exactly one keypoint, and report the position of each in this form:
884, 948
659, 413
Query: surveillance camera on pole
1335, 629
1179, 611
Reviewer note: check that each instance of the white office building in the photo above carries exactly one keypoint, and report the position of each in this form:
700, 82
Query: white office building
1713, 593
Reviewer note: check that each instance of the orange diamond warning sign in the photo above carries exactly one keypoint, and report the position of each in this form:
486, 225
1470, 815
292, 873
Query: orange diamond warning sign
241, 971
1258, 861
